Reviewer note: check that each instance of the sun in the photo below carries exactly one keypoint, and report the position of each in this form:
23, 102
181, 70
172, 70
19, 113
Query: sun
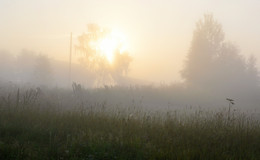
110, 43
108, 47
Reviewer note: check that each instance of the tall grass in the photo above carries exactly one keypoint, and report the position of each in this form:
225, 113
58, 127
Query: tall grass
33, 130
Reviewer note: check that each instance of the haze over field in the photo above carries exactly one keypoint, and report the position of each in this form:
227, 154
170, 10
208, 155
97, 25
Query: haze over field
201, 52
129, 79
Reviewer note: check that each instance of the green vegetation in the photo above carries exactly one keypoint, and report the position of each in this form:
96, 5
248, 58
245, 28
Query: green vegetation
32, 131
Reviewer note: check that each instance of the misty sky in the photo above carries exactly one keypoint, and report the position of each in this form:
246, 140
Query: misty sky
158, 32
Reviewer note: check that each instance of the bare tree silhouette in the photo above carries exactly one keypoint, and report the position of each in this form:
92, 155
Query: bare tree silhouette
106, 73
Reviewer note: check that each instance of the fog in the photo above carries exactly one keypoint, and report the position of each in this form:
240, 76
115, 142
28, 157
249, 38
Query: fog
131, 79
160, 30
214, 71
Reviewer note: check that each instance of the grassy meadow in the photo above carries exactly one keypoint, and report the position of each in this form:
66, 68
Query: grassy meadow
36, 124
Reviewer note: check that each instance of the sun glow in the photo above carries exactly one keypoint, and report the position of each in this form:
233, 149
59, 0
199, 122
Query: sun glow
108, 47
110, 44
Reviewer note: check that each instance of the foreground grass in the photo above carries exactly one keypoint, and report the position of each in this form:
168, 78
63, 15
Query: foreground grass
30, 132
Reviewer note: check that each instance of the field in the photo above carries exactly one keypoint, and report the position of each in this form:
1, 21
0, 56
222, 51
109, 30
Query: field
64, 124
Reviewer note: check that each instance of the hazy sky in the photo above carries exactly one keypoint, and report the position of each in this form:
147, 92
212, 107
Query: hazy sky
158, 31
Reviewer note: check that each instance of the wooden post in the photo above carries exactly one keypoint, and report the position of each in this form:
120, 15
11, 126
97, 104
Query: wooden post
70, 56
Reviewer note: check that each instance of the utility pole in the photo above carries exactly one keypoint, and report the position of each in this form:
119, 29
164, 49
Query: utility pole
70, 56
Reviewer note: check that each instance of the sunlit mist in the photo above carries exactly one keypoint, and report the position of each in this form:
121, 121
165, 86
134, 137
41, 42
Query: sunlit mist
110, 43
129, 79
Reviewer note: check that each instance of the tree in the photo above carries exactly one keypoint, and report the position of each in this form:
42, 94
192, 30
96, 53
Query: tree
120, 66
96, 61
42, 71
252, 72
25, 62
6, 66
216, 65
205, 46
